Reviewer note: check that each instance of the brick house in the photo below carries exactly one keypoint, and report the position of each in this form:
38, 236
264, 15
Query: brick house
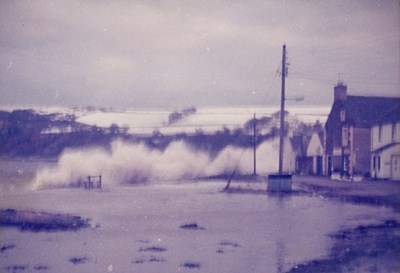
348, 131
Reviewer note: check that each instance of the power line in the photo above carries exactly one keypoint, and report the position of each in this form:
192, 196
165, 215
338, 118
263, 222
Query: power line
351, 79
268, 94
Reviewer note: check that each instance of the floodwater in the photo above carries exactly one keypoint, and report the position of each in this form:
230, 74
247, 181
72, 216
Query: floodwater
139, 229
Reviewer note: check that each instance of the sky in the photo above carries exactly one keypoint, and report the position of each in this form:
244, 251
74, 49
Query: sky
177, 54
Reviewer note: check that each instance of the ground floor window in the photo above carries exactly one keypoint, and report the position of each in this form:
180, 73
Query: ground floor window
377, 163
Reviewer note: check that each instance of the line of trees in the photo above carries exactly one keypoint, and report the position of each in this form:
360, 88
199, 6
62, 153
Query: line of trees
22, 134
25, 133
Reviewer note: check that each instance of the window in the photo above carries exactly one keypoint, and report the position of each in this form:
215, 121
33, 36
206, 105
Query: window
394, 129
380, 133
377, 163
345, 136
342, 115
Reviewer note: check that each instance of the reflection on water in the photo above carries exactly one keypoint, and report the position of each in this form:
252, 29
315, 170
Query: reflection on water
280, 245
280, 252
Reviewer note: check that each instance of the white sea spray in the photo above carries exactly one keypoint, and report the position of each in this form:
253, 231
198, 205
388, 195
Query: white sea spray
127, 163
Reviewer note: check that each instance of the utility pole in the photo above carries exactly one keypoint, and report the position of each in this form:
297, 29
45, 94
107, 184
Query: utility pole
281, 182
254, 146
282, 115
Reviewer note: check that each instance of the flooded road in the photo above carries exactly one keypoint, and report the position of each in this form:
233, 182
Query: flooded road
187, 226
138, 229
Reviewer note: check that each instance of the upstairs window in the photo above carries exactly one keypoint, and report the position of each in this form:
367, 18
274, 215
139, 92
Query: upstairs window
394, 129
342, 115
380, 133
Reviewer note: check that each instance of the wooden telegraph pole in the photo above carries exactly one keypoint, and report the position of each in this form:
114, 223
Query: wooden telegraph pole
282, 115
281, 182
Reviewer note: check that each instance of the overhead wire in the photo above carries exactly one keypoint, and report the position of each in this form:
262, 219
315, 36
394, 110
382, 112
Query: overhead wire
268, 94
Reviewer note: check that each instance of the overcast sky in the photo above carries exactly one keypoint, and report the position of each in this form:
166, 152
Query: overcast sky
175, 54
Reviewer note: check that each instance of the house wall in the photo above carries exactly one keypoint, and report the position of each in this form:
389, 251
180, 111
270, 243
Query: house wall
333, 140
314, 151
360, 151
353, 156
395, 166
386, 135
314, 147
387, 160
309, 165
289, 165
336, 163
388, 167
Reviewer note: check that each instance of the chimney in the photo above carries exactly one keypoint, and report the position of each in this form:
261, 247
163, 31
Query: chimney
340, 92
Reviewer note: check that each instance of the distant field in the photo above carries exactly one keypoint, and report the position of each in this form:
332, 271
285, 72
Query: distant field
208, 119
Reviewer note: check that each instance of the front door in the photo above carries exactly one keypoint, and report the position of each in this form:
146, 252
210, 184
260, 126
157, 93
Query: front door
395, 167
319, 165
329, 166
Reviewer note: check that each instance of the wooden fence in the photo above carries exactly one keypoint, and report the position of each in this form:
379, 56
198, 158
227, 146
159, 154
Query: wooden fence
93, 182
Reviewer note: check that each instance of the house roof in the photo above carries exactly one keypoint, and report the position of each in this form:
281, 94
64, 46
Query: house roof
388, 146
365, 111
391, 117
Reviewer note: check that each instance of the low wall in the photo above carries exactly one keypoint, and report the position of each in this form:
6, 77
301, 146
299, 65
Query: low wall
279, 183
